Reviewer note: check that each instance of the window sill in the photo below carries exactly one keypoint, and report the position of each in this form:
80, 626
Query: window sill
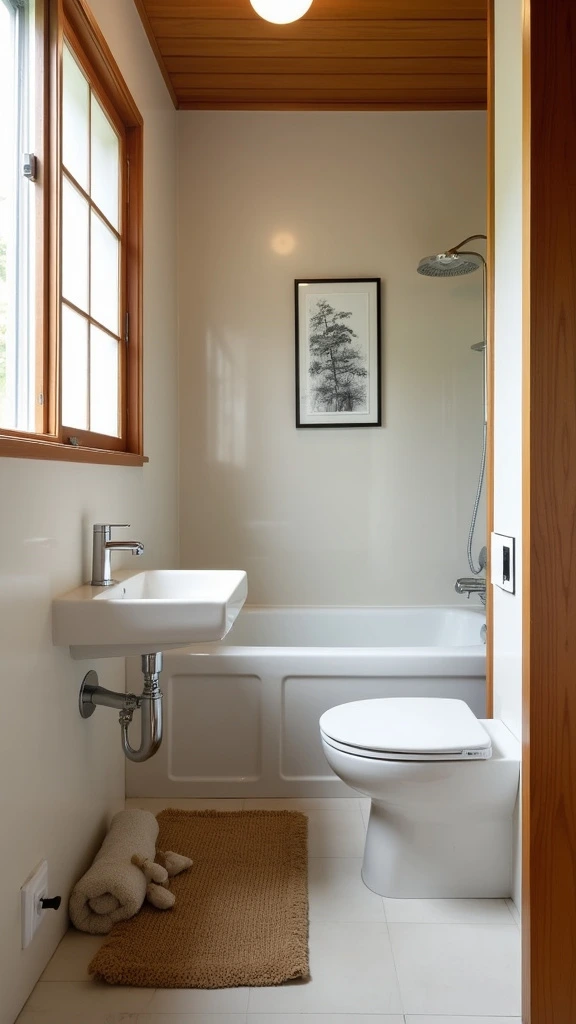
36, 448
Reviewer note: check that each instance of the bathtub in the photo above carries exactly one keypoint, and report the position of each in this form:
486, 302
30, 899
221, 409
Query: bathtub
241, 716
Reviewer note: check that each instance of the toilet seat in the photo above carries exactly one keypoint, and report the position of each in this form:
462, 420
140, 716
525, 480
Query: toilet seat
407, 729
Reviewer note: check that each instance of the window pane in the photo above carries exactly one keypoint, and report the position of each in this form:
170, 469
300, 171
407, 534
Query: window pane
17, 218
105, 151
104, 381
75, 214
7, 218
75, 119
74, 369
104, 287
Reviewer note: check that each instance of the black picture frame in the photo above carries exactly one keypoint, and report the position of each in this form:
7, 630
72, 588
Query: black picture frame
338, 384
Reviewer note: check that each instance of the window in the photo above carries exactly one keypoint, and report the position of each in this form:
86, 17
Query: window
71, 232
92, 258
17, 220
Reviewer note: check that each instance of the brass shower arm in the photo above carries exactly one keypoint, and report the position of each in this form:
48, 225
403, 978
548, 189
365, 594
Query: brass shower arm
470, 238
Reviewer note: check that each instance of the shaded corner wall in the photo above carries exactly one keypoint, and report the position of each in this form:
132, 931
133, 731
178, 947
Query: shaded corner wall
61, 777
508, 362
345, 516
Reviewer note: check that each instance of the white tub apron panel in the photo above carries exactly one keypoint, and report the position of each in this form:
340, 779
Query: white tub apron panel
242, 716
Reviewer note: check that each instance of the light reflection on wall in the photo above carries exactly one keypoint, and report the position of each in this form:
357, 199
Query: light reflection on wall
283, 243
225, 388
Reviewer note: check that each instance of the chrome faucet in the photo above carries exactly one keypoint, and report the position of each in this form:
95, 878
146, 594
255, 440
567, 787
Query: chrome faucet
103, 545
472, 585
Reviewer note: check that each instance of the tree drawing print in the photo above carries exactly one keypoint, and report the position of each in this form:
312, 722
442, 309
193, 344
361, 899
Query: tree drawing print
337, 368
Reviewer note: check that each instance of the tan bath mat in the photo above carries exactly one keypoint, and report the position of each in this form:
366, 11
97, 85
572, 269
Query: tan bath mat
241, 914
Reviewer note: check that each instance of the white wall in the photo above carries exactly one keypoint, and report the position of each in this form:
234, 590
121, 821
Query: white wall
371, 516
508, 359
61, 777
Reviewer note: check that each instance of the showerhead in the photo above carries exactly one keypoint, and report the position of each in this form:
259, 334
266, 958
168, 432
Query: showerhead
449, 264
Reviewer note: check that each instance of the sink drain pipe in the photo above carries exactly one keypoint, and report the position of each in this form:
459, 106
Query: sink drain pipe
149, 703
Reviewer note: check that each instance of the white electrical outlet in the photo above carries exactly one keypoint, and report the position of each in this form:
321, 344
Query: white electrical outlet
35, 888
503, 562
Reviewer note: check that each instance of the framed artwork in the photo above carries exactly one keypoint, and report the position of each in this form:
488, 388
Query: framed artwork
338, 375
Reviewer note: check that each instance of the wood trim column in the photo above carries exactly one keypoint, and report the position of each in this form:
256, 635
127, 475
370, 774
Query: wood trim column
549, 689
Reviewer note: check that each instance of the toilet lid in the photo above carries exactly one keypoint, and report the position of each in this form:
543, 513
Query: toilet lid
407, 726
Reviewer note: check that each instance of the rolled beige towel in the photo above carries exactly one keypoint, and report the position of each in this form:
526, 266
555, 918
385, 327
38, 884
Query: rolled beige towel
113, 889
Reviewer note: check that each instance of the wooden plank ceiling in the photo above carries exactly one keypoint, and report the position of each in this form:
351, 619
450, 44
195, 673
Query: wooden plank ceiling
342, 55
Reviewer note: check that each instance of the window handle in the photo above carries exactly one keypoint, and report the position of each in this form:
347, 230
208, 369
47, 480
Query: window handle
30, 166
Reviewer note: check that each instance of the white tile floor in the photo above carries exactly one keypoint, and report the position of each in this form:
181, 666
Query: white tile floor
373, 960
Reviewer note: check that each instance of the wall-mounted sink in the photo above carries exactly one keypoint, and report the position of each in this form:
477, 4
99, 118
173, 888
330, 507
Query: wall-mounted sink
147, 612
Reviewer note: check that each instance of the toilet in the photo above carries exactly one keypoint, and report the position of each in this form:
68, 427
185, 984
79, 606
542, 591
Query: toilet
443, 787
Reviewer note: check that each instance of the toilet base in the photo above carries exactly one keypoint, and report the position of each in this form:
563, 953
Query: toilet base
404, 858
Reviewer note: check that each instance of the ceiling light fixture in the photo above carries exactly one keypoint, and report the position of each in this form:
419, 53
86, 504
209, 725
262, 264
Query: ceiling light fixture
281, 12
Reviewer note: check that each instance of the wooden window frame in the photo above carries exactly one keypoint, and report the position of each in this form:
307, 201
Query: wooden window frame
73, 20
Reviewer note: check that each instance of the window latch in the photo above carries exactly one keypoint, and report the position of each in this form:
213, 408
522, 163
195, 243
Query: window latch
30, 166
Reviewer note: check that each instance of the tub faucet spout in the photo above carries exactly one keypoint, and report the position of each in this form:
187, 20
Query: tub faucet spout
471, 585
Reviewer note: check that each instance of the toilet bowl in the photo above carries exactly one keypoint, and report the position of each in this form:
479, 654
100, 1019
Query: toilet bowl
443, 787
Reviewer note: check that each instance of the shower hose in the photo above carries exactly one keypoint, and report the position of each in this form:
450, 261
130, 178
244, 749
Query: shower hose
473, 568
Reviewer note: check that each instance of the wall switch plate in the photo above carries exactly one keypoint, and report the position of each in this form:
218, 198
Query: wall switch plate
34, 889
503, 562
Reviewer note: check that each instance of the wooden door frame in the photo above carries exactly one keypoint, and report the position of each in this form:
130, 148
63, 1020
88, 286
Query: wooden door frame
549, 513
549, 502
